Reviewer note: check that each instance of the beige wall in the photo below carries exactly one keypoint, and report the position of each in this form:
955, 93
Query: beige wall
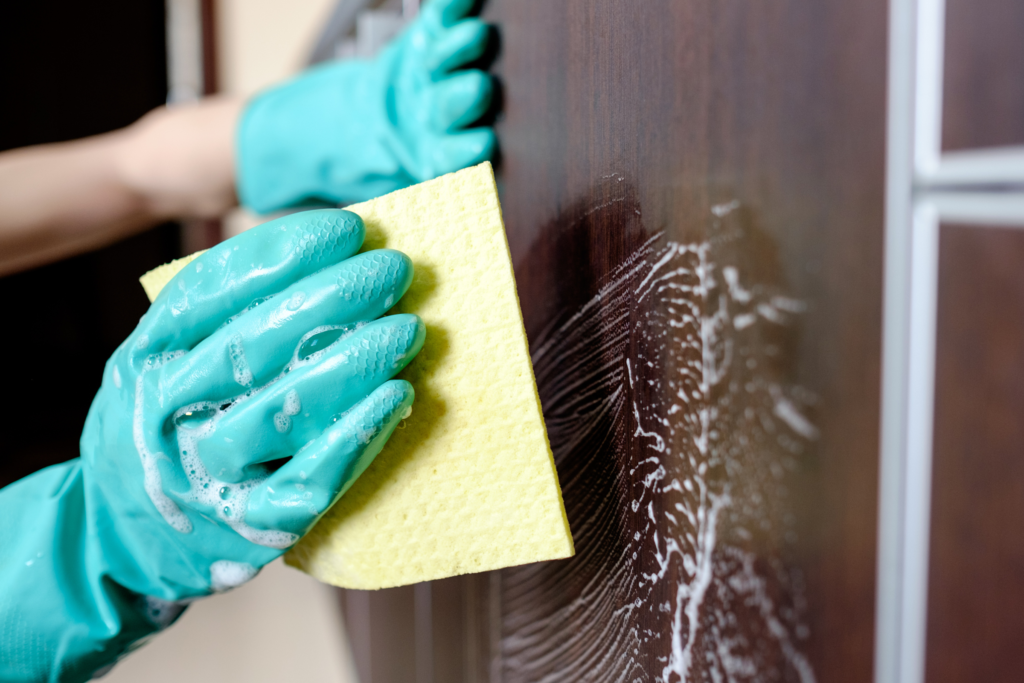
265, 41
281, 626
262, 42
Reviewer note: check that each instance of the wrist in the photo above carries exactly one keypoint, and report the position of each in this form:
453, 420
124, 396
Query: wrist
179, 162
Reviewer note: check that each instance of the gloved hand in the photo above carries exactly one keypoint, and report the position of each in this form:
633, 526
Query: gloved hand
253, 392
352, 130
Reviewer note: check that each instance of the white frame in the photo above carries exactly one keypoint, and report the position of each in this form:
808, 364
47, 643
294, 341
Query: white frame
184, 35
924, 187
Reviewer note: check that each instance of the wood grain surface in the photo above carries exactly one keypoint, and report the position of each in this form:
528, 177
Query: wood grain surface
976, 573
983, 93
652, 148
677, 108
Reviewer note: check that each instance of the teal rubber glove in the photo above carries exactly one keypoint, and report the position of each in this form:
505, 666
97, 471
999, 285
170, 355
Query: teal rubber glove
253, 392
353, 130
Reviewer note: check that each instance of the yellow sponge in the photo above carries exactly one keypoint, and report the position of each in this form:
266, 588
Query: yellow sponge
156, 279
467, 483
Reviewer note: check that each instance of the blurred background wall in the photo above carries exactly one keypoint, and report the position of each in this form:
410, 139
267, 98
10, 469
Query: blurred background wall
261, 42
281, 626
68, 70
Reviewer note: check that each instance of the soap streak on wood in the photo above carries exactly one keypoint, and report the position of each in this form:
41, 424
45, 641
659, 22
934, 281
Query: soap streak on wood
674, 437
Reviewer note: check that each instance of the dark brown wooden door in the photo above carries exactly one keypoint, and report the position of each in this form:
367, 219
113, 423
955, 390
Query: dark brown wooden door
976, 574
693, 192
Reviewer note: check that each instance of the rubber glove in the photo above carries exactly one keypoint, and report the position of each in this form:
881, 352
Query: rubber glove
253, 392
352, 130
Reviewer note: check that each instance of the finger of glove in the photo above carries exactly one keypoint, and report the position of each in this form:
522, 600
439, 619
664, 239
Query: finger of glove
297, 495
460, 100
446, 12
229, 277
255, 347
456, 151
461, 44
282, 418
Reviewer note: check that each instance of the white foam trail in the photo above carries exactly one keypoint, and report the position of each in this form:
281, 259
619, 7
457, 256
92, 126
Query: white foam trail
229, 500
227, 574
239, 363
661, 364
152, 481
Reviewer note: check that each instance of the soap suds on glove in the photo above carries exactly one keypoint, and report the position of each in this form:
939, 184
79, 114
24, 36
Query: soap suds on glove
198, 421
228, 574
467, 483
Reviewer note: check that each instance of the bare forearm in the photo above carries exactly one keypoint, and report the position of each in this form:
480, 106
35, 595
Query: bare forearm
62, 199
57, 200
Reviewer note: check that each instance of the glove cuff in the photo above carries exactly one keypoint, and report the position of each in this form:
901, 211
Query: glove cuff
325, 136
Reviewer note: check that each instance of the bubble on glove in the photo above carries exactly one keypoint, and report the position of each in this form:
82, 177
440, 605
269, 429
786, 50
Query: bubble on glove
315, 343
227, 574
296, 301
292, 406
259, 301
239, 363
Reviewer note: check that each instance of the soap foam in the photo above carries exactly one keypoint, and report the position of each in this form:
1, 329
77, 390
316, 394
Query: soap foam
292, 404
152, 481
239, 363
666, 371
282, 423
229, 500
226, 574
198, 421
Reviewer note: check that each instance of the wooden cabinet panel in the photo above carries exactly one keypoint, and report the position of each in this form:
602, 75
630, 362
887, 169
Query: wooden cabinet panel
697, 145
976, 572
983, 96
693, 193
436, 632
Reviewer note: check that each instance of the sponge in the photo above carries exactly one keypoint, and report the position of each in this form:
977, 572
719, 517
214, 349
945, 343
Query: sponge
467, 483
156, 279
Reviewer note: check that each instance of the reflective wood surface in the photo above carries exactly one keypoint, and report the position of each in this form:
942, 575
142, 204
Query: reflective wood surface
984, 70
693, 193
976, 572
